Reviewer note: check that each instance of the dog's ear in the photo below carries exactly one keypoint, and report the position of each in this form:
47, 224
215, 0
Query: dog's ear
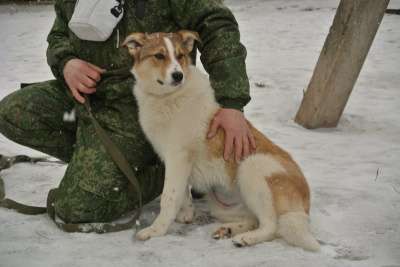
188, 38
134, 42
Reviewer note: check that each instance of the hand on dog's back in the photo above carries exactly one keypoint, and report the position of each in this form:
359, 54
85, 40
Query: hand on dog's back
238, 136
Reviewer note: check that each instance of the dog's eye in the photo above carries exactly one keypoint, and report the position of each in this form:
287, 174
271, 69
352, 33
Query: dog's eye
180, 56
159, 56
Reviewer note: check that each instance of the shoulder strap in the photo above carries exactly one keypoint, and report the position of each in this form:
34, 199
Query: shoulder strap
140, 9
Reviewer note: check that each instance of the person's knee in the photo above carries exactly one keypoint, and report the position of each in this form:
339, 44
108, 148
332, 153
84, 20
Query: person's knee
81, 206
2, 108
25, 108
77, 207
9, 113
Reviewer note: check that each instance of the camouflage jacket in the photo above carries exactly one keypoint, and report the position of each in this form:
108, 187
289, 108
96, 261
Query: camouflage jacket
222, 54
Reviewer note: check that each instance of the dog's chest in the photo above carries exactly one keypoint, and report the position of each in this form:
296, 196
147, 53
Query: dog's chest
187, 135
207, 172
210, 173
171, 137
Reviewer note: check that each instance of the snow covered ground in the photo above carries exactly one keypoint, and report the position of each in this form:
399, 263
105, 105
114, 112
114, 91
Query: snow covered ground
353, 170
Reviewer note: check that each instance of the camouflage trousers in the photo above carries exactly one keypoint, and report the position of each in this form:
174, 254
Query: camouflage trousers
93, 189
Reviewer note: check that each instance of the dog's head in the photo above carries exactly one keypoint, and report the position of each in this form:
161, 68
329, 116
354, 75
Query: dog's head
161, 60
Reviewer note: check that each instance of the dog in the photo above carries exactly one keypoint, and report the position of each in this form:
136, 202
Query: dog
257, 199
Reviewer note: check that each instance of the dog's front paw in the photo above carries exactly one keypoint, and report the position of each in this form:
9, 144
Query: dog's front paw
149, 232
243, 240
222, 232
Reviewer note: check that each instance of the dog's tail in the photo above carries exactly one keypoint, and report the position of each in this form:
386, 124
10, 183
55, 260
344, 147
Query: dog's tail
294, 228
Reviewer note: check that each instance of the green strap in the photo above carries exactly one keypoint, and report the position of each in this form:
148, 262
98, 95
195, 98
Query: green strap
115, 153
21, 208
7, 162
117, 157
140, 9
2, 190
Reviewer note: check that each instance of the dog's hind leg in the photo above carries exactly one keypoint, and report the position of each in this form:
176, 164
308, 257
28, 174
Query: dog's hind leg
227, 230
259, 201
258, 198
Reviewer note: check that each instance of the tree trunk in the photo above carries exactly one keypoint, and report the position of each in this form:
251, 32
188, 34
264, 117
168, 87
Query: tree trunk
346, 47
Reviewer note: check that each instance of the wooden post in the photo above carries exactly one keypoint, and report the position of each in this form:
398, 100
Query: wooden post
346, 47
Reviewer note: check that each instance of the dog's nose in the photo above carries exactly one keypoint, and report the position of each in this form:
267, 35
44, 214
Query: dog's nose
177, 76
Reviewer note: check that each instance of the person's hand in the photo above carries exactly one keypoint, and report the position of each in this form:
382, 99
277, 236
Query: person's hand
81, 78
238, 136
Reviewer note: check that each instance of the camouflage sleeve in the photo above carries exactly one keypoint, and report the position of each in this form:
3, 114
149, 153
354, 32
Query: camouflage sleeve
222, 54
59, 49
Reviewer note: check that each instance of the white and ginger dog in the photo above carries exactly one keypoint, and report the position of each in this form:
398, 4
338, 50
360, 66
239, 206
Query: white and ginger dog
263, 196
